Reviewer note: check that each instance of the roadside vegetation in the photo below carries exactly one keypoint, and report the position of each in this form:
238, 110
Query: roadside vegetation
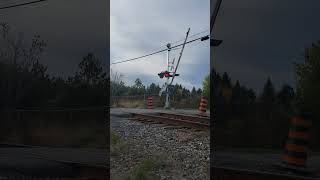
26, 83
117, 145
247, 119
146, 168
135, 96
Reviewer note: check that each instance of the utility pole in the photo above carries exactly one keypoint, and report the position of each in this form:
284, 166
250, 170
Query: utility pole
214, 42
170, 67
167, 104
184, 44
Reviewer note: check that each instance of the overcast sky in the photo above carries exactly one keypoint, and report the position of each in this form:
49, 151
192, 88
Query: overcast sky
142, 26
263, 38
71, 29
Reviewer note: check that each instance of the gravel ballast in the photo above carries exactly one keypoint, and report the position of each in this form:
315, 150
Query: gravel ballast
184, 153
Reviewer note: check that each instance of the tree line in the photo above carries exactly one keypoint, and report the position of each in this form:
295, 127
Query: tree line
181, 97
243, 118
25, 81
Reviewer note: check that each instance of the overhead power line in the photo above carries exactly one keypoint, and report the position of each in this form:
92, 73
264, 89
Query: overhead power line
21, 4
172, 49
132, 59
150, 54
191, 36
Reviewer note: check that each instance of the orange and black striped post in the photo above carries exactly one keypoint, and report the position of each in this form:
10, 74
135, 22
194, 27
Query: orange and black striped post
150, 103
296, 147
203, 106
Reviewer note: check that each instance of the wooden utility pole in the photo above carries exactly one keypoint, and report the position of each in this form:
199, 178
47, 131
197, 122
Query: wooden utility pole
215, 42
170, 65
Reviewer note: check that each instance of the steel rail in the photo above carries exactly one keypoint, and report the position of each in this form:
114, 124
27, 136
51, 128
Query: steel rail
170, 120
205, 120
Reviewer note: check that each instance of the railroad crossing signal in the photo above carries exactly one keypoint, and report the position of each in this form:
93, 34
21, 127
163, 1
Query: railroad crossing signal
166, 74
161, 75
170, 66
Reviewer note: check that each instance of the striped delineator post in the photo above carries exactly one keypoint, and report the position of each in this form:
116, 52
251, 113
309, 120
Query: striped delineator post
150, 102
203, 106
296, 147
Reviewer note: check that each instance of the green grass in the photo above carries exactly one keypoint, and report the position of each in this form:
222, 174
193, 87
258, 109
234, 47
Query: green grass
142, 171
115, 138
118, 145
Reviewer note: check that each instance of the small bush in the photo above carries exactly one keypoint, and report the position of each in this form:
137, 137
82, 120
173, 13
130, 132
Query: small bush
145, 167
118, 146
140, 175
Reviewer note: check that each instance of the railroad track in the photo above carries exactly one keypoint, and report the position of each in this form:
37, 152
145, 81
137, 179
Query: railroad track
174, 119
223, 173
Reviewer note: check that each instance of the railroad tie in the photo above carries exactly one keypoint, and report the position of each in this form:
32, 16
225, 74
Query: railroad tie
296, 147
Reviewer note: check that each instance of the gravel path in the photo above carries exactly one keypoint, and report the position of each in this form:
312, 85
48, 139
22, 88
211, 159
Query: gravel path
184, 151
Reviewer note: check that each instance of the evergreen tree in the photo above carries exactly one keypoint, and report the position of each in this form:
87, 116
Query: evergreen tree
206, 87
91, 70
193, 92
268, 94
285, 97
226, 80
308, 75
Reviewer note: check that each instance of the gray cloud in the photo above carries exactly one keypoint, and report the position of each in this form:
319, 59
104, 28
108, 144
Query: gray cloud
71, 28
142, 26
264, 38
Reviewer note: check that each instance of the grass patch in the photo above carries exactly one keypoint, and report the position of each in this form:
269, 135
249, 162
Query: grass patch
130, 104
143, 170
118, 145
